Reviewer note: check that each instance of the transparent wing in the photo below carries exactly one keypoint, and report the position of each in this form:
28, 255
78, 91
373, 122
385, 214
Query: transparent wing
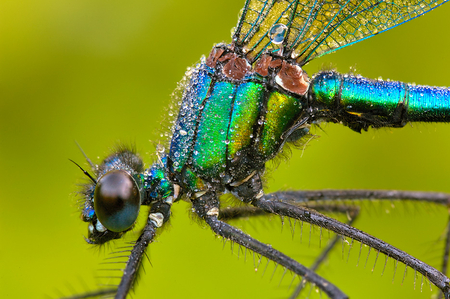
318, 27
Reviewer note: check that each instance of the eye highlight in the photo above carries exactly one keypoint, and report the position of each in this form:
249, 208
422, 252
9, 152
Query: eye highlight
117, 200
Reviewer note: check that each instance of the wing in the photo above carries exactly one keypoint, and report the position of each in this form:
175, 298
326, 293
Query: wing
306, 29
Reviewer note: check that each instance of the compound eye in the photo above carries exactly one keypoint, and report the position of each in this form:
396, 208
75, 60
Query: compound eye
117, 200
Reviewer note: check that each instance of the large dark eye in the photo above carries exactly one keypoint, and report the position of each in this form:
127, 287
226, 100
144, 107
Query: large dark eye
117, 200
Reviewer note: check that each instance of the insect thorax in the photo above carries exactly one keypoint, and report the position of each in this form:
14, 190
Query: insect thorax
234, 117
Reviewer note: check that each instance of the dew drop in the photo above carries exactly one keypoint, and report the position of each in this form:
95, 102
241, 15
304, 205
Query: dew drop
277, 33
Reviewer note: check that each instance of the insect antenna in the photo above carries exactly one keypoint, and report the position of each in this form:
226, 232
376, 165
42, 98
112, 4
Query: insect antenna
84, 171
85, 156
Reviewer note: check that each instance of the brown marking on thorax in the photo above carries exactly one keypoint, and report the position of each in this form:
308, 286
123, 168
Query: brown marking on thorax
275, 63
292, 78
263, 64
289, 76
215, 54
235, 67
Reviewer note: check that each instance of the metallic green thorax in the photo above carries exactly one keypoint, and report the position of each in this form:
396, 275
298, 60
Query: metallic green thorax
210, 150
245, 114
360, 102
228, 128
281, 111
236, 127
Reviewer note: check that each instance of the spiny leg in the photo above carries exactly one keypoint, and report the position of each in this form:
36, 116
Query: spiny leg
159, 214
447, 249
335, 195
270, 204
315, 196
207, 207
446, 253
135, 259
94, 294
353, 213
233, 213
289, 204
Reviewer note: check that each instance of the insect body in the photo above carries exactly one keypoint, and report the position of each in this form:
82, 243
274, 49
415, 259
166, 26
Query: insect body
241, 105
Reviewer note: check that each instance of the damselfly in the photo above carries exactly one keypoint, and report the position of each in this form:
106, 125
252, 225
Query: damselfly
239, 170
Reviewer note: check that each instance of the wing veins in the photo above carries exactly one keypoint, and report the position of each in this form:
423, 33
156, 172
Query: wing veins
307, 24
335, 27
291, 20
318, 27
324, 28
251, 32
266, 33
262, 14
376, 33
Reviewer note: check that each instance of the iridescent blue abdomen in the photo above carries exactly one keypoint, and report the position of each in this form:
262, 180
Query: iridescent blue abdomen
360, 102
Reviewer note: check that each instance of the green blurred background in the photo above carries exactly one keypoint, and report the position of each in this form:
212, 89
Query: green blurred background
102, 71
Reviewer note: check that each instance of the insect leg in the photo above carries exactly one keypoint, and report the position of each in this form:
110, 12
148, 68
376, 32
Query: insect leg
134, 260
305, 196
207, 207
159, 214
353, 213
446, 253
94, 294
234, 213
447, 249
271, 204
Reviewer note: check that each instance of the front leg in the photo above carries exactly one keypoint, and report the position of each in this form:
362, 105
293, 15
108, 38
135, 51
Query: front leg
207, 207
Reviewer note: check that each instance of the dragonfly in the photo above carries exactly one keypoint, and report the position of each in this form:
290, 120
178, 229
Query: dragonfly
262, 69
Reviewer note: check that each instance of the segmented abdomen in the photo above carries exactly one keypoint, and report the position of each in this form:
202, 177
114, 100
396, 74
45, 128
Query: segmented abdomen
379, 103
